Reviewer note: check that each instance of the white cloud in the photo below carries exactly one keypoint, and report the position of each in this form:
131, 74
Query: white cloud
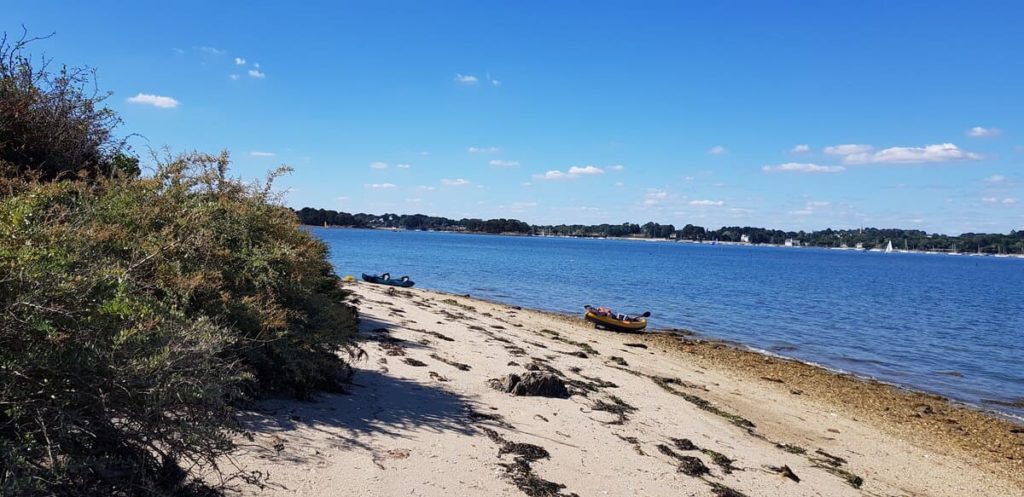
553, 175
802, 212
800, 149
234, 77
1009, 201
483, 150
848, 149
239, 61
256, 73
944, 152
717, 150
454, 182
814, 204
154, 100
707, 203
995, 179
378, 165
212, 50
585, 170
495, 82
615, 167
573, 173
504, 163
425, 188
380, 186
403, 166
798, 167
261, 154
981, 132
466, 79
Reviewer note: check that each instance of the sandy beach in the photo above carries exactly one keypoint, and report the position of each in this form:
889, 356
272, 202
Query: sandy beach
646, 414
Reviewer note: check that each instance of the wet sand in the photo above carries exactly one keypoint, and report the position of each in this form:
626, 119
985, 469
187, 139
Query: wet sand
651, 414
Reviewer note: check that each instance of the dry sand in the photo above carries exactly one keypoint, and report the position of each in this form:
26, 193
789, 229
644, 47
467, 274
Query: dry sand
421, 418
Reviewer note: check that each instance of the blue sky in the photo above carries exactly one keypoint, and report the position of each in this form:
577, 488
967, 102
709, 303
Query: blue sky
801, 115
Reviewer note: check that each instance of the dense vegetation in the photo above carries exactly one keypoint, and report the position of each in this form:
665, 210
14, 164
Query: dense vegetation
1012, 243
136, 312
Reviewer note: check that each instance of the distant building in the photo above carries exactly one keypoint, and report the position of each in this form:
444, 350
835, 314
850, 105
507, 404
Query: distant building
744, 239
792, 243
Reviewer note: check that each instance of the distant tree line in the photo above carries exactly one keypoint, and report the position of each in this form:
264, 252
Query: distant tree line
866, 238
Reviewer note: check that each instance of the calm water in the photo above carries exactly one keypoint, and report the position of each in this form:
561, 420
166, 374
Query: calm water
950, 325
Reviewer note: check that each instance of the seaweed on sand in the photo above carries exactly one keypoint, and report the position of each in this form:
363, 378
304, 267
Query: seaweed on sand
720, 490
616, 406
457, 365
519, 470
635, 442
833, 464
414, 362
701, 403
618, 360
721, 460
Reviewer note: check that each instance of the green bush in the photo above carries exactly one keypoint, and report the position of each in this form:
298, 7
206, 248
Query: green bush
134, 312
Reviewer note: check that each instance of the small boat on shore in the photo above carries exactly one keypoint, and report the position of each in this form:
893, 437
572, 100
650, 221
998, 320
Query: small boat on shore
385, 279
603, 317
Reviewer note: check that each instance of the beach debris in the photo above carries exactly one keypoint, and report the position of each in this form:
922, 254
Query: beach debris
457, 365
438, 377
533, 383
615, 406
515, 350
391, 346
458, 304
577, 353
785, 471
554, 335
719, 490
414, 362
833, 464
634, 442
512, 363
497, 327
773, 380
791, 448
721, 460
635, 345
519, 470
618, 360
796, 391
476, 328
666, 384
542, 418
435, 334
398, 453
683, 444
923, 410
692, 466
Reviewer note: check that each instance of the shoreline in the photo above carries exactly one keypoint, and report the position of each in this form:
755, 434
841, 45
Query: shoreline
644, 410
743, 347
686, 241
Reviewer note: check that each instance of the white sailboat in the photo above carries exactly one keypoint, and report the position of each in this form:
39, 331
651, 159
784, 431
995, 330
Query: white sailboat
888, 247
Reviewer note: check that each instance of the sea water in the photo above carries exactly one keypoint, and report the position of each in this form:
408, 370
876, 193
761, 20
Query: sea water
938, 323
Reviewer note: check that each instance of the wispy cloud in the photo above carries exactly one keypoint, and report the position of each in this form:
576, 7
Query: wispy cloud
995, 179
261, 154
425, 188
944, 152
454, 182
239, 61
466, 79
154, 100
504, 163
553, 175
380, 186
707, 203
212, 50
234, 77
800, 149
717, 150
848, 149
799, 167
379, 165
982, 132
483, 150
615, 167
996, 200
404, 166
257, 73
654, 196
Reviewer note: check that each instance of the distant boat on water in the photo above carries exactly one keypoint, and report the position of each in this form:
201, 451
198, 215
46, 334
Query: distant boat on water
888, 247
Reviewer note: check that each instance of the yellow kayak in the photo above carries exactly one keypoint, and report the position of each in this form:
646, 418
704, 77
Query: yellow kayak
626, 323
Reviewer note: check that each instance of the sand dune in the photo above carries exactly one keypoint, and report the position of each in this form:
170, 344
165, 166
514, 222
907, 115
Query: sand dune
649, 415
